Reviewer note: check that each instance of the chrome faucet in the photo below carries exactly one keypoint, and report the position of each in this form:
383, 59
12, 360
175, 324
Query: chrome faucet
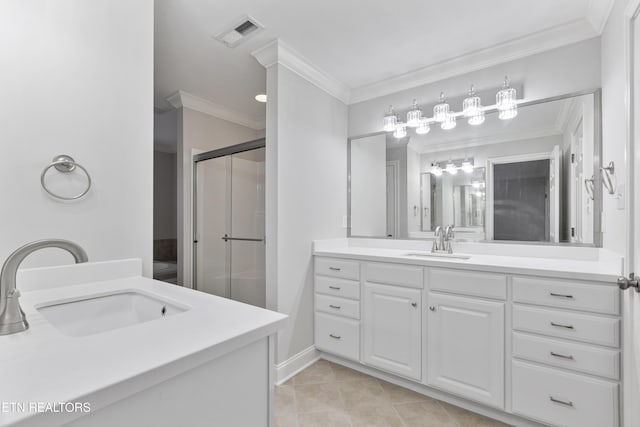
12, 318
442, 242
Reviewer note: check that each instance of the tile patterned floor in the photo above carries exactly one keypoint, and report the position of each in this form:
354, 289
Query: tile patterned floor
330, 395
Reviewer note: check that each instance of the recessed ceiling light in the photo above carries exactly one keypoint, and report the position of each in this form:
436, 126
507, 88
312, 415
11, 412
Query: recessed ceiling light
261, 97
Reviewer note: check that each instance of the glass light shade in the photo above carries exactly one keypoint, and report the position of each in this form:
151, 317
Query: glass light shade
423, 126
451, 169
471, 105
390, 120
441, 110
508, 113
476, 119
414, 116
467, 167
506, 97
401, 131
478, 194
436, 170
449, 123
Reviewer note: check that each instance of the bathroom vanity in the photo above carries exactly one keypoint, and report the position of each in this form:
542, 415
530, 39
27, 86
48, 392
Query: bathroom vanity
127, 350
524, 334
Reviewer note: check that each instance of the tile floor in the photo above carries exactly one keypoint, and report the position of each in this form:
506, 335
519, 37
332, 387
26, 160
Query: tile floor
329, 395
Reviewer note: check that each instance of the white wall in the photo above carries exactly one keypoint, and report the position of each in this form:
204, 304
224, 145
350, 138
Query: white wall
164, 195
567, 69
369, 186
77, 79
614, 121
201, 132
306, 175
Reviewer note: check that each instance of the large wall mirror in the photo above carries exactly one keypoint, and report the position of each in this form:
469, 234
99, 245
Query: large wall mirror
530, 179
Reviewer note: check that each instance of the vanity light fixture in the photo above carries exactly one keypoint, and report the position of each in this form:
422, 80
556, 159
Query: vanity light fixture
506, 101
423, 126
390, 120
401, 130
451, 168
261, 97
414, 115
472, 109
449, 123
467, 166
436, 169
441, 110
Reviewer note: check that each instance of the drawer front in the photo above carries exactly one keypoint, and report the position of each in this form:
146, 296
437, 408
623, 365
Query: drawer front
340, 268
567, 294
563, 399
338, 306
469, 283
581, 327
394, 274
338, 336
568, 355
338, 287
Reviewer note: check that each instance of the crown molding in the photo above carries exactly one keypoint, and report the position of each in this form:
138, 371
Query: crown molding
598, 13
184, 99
552, 38
277, 52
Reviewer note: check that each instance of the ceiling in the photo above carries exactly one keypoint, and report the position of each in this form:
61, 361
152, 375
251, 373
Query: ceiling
360, 43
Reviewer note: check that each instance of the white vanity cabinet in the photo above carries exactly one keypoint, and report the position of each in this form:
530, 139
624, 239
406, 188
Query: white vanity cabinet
526, 346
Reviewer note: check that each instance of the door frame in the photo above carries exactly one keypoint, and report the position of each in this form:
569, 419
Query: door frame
630, 395
200, 157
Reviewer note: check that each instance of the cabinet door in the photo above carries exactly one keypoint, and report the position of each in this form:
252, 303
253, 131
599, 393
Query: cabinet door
465, 347
392, 328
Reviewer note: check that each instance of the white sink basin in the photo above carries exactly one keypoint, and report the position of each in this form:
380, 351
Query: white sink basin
93, 314
437, 255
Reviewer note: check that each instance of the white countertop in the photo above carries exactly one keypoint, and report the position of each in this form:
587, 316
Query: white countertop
602, 268
43, 365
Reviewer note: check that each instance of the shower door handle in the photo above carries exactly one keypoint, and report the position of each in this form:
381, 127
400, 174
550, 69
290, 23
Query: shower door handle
244, 239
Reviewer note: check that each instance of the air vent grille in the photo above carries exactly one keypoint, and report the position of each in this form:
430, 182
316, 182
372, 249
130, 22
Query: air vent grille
239, 31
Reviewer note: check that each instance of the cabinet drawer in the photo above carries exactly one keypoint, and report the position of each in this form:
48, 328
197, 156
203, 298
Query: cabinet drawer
568, 355
338, 306
580, 327
470, 283
394, 274
567, 294
341, 268
338, 336
563, 399
338, 287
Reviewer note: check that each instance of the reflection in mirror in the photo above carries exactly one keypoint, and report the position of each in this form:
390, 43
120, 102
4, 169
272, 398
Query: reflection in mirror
523, 180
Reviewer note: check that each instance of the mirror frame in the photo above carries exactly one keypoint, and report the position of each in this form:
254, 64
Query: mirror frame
597, 163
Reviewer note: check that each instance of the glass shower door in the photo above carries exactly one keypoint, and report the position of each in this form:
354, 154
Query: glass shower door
229, 226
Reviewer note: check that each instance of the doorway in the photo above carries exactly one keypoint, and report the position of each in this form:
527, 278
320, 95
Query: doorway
229, 223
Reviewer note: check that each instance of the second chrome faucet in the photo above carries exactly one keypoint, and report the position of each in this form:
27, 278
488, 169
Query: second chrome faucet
442, 242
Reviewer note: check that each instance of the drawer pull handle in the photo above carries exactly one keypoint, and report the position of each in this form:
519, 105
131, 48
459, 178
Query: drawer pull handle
560, 401
432, 308
334, 268
559, 325
562, 356
335, 288
337, 307
335, 337
414, 304
553, 294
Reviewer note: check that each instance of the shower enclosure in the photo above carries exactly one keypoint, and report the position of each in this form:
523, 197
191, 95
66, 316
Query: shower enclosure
228, 209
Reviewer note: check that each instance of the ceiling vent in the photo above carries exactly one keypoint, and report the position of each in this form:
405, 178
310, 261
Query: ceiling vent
240, 31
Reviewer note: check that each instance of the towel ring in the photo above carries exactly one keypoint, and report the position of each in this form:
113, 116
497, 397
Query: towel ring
607, 172
65, 164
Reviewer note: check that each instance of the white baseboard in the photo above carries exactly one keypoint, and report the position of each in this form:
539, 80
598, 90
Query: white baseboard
295, 364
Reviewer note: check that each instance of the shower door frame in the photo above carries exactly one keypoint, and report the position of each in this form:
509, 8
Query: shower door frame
201, 157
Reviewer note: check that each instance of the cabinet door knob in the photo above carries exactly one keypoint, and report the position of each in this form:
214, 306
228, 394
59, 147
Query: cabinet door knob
432, 308
414, 304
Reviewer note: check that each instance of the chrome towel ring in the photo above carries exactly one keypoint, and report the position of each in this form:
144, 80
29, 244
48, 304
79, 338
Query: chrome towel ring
65, 164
